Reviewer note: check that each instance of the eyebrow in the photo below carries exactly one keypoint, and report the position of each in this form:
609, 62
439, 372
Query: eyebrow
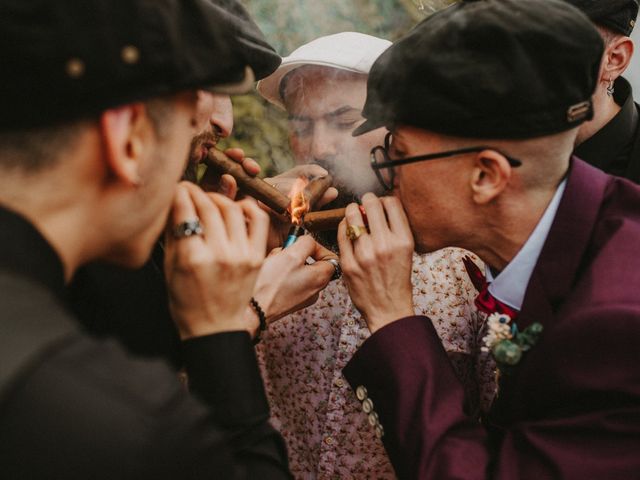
336, 113
341, 111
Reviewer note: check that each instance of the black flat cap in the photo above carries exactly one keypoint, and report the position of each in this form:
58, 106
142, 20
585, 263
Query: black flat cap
617, 15
489, 69
68, 59
258, 53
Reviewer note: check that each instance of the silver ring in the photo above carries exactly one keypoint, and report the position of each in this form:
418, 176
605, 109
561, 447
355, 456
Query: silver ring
337, 273
188, 229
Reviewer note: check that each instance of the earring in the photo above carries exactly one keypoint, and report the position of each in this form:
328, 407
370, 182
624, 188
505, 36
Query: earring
610, 88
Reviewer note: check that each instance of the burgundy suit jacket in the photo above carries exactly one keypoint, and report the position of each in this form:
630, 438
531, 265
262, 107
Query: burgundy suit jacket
571, 409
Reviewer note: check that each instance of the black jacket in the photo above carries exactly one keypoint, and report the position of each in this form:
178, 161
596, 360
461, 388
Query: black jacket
615, 148
83, 408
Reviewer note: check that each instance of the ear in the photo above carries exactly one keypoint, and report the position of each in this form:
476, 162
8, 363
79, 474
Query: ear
124, 137
616, 58
490, 176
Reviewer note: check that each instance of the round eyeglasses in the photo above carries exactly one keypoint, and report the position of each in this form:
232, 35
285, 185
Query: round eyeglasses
383, 165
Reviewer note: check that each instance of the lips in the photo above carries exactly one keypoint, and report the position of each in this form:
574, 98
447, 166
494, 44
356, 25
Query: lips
204, 150
200, 145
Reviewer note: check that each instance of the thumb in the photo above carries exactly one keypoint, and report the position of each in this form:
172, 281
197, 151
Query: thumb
303, 248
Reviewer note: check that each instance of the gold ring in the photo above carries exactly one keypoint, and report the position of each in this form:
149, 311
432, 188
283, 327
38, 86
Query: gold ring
355, 231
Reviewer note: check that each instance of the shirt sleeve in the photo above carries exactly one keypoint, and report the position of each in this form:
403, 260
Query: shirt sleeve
88, 410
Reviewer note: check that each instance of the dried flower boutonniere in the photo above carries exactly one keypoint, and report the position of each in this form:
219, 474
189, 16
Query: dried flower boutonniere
506, 343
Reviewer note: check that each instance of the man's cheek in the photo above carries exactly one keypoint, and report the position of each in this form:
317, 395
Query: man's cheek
300, 149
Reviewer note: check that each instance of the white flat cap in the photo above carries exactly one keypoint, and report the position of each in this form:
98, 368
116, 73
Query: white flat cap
350, 51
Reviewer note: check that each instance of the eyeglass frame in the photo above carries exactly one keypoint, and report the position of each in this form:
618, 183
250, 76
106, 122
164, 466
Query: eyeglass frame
389, 163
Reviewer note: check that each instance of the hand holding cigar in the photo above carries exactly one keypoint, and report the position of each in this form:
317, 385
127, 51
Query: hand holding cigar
253, 186
214, 181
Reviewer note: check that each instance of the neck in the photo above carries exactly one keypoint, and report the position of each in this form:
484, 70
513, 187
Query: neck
55, 212
507, 228
605, 108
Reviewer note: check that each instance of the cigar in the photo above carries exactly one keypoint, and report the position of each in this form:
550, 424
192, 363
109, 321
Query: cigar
253, 186
323, 220
316, 188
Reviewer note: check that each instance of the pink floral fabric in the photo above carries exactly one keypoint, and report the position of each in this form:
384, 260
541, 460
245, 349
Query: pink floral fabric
302, 357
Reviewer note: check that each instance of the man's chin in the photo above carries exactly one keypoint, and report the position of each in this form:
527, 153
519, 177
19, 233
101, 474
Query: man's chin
130, 256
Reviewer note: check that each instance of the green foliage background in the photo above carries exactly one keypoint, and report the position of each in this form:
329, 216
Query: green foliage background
260, 128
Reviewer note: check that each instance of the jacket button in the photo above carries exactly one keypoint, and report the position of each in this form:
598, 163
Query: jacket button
361, 393
373, 419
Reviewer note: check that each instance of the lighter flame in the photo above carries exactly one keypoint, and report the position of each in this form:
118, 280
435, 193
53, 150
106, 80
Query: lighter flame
299, 204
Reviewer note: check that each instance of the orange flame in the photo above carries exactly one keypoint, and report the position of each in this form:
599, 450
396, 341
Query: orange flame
299, 204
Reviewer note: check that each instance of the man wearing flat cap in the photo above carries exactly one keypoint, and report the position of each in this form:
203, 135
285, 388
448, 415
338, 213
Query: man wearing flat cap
611, 141
100, 104
132, 305
483, 101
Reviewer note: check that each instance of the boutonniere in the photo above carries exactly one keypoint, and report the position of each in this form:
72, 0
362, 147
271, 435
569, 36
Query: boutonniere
506, 343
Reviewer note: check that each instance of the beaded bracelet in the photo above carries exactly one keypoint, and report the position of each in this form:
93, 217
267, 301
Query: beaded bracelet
261, 317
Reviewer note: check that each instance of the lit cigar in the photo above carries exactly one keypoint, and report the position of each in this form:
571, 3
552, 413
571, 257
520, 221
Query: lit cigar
304, 195
328, 219
254, 186
315, 189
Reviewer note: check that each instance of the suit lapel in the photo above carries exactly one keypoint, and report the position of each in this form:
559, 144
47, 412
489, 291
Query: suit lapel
557, 268
562, 254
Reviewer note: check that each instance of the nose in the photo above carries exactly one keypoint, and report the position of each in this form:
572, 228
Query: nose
323, 144
221, 118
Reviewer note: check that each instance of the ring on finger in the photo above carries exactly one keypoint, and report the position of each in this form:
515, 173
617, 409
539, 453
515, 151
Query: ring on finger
188, 229
355, 231
337, 270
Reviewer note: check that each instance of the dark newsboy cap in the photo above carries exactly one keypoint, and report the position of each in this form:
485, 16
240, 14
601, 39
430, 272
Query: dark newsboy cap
489, 69
258, 53
68, 59
617, 15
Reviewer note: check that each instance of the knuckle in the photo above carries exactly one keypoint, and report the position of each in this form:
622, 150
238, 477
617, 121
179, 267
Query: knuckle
405, 244
259, 213
256, 262
369, 197
190, 263
368, 260
388, 202
352, 208
348, 267
383, 253
291, 257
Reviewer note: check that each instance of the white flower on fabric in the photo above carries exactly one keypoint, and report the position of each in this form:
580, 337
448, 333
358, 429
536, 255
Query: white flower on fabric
499, 329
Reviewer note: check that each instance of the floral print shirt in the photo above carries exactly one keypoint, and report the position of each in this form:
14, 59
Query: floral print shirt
302, 357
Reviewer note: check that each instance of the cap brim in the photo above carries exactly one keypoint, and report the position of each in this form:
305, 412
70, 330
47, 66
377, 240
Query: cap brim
366, 127
236, 88
269, 87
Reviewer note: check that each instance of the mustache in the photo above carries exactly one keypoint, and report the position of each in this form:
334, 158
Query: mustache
199, 144
206, 138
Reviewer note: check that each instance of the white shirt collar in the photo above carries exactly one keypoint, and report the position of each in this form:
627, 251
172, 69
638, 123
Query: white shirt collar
511, 284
